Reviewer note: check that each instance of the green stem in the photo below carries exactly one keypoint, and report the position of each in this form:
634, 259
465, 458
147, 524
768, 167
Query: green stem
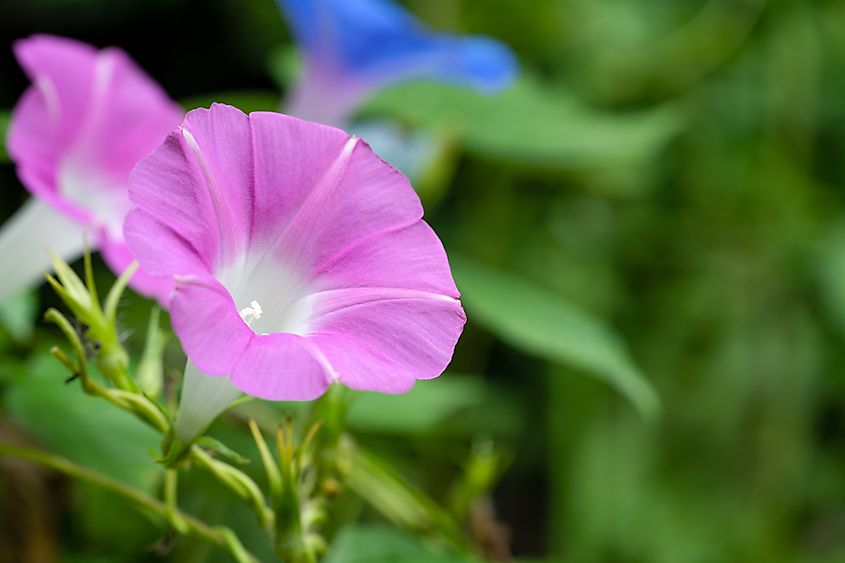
383, 488
219, 536
238, 481
171, 480
139, 405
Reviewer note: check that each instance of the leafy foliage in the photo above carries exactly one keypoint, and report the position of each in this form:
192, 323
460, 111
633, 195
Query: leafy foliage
543, 323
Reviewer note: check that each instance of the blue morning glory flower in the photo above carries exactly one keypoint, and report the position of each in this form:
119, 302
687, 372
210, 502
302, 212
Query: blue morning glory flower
351, 48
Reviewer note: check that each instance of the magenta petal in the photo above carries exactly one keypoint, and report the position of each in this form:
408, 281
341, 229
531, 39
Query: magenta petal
282, 367
128, 116
418, 329
161, 249
208, 170
93, 109
207, 323
358, 197
168, 186
118, 257
291, 157
221, 144
408, 258
359, 365
48, 115
77, 132
62, 72
336, 190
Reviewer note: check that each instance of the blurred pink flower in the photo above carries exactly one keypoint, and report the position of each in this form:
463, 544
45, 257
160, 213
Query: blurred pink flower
79, 129
299, 259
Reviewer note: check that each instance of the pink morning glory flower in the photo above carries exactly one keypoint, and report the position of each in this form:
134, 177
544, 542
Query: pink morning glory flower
352, 48
299, 258
79, 129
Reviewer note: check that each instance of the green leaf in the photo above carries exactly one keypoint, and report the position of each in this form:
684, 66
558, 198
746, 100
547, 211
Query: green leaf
543, 323
85, 429
533, 124
150, 372
382, 544
17, 315
222, 450
284, 65
402, 503
830, 271
426, 405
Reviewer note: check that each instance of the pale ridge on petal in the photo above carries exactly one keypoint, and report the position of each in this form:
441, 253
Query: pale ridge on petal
328, 263
103, 72
224, 223
356, 296
51, 97
321, 192
322, 359
299, 225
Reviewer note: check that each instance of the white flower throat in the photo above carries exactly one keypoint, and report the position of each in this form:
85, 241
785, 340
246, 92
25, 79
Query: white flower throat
271, 296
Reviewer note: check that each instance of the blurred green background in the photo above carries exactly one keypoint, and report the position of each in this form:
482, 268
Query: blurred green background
649, 233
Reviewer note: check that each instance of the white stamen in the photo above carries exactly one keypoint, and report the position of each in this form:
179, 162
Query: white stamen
251, 313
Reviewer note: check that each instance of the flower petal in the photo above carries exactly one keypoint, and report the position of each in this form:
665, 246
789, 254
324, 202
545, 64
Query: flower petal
360, 366
356, 196
62, 72
96, 108
291, 157
484, 63
118, 257
128, 116
221, 145
207, 323
282, 367
419, 329
167, 185
408, 258
162, 250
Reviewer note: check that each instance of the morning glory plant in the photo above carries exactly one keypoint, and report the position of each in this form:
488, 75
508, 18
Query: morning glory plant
88, 117
298, 259
311, 464
352, 48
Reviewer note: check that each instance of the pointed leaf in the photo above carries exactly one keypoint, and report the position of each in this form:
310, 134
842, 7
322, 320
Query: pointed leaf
533, 124
543, 323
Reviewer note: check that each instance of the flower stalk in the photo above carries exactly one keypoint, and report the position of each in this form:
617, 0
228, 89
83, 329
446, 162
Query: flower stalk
220, 536
400, 502
237, 481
